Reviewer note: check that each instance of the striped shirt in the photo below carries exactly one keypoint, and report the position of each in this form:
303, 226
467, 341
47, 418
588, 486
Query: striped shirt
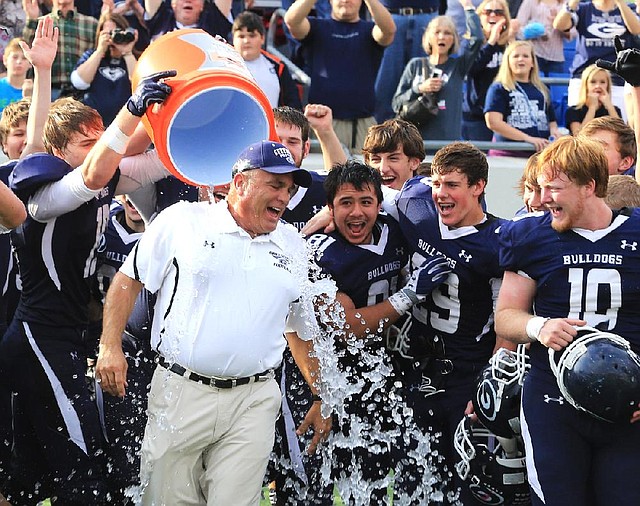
77, 34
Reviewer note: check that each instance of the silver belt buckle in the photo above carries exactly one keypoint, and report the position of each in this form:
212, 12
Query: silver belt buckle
233, 382
406, 11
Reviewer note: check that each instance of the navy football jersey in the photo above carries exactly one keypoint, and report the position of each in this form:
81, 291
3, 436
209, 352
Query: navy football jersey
306, 203
115, 245
589, 275
57, 258
460, 310
367, 273
9, 277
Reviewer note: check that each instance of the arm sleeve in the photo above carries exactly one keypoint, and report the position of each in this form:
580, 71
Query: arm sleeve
60, 197
405, 92
473, 45
495, 100
140, 170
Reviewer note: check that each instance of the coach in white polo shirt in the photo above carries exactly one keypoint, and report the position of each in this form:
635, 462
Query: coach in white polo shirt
225, 275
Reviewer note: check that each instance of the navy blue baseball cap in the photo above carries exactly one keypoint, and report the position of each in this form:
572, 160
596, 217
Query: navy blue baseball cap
271, 157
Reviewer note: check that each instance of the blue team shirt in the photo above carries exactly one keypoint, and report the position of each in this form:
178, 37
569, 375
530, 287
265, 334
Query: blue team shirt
344, 60
596, 31
57, 258
588, 275
115, 245
461, 309
110, 88
367, 273
524, 108
8, 268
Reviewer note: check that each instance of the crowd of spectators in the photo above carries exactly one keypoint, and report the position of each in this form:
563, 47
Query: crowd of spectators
365, 58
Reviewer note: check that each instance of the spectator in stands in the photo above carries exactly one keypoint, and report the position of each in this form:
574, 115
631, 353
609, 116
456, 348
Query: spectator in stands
102, 73
269, 71
411, 18
17, 67
535, 22
13, 128
622, 191
77, 33
518, 107
445, 75
594, 100
133, 11
164, 16
345, 53
596, 22
619, 142
496, 26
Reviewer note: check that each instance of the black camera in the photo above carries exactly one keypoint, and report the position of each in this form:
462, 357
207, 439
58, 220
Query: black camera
120, 36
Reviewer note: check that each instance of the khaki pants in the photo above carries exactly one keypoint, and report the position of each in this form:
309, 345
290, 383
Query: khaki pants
205, 445
353, 132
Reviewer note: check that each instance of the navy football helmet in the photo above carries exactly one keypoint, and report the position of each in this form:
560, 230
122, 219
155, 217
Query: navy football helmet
493, 477
600, 374
497, 399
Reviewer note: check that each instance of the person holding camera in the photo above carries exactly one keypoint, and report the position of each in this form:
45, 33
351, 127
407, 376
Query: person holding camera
103, 73
437, 79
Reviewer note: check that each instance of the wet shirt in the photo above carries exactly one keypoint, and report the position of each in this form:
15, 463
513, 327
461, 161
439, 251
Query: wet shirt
222, 297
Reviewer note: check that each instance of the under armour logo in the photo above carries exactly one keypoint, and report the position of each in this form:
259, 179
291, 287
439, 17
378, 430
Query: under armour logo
624, 244
549, 400
209, 244
399, 252
463, 254
316, 209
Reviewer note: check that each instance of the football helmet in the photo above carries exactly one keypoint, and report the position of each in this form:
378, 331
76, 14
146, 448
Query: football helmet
599, 373
492, 477
497, 398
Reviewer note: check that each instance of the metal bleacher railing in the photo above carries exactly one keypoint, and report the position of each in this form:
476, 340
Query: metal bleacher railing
301, 77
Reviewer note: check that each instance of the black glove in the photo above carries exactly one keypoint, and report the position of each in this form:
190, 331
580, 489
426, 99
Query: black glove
149, 91
627, 64
430, 274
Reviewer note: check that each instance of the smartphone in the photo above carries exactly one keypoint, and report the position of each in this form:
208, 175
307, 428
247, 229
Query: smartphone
436, 73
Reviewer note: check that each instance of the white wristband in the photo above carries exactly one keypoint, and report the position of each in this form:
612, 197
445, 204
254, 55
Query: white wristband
115, 139
401, 302
534, 327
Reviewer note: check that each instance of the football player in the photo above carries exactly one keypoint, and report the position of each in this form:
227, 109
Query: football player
573, 266
67, 191
452, 335
365, 256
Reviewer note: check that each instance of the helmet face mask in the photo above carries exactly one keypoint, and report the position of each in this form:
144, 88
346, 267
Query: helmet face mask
497, 399
599, 373
493, 477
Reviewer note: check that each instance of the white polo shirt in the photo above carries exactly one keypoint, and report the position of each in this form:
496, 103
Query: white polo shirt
223, 297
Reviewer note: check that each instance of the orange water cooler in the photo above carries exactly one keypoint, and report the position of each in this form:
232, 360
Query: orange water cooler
214, 111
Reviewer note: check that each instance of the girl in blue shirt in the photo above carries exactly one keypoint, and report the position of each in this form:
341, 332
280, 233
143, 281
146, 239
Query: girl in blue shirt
518, 107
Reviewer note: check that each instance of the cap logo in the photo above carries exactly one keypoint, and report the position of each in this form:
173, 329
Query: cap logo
284, 153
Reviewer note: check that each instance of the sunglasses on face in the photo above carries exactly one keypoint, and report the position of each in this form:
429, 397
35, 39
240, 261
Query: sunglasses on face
497, 12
